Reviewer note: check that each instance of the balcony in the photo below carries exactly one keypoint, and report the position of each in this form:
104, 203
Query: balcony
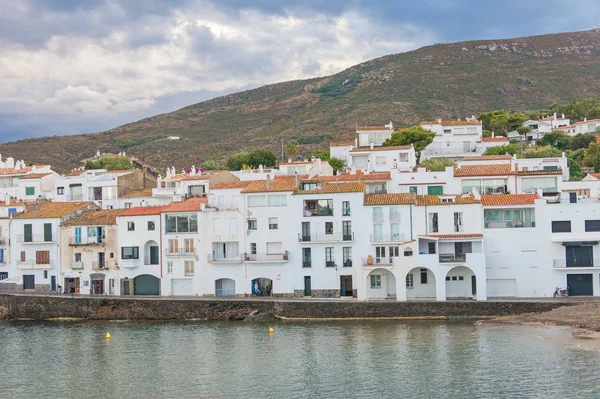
307, 263
223, 260
130, 263
326, 238
378, 238
508, 224
562, 264
173, 252
31, 264
188, 252
329, 263
34, 239
374, 261
452, 258
75, 197
77, 265
347, 263
86, 241
99, 265
267, 258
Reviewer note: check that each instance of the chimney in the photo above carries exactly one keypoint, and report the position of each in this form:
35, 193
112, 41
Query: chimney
371, 148
289, 160
555, 116
8, 200
202, 206
268, 182
439, 120
585, 119
563, 116
493, 135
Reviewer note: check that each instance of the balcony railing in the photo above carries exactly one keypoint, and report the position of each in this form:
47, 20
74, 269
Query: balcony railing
306, 263
130, 263
322, 237
329, 263
347, 263
508, 224
562, 263
86, 241
266, 258
99, 265
34, 239
374, 261
77, 265
213, 258
452, 258
75, 197
188, 252
173, 252
317, 212
387, 237
31, 264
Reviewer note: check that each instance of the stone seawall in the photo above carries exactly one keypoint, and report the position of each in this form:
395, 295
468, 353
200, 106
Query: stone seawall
15, 306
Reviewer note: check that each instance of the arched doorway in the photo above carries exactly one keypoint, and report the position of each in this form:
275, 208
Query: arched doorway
146, 284
420, 284
461, 283
151, 256
262, 287
225, 287
381, 284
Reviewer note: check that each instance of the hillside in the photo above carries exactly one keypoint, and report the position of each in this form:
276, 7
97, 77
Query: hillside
444, 80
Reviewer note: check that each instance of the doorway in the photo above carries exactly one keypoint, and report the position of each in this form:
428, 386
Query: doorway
154, 255
580, 284
72, 285
126, 287
97, 287
52, 283
346, 286
307, 286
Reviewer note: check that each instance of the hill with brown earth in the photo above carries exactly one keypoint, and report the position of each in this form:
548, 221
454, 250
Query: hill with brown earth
444, 80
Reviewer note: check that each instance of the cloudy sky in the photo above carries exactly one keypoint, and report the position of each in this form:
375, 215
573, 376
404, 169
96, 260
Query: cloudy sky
81, 66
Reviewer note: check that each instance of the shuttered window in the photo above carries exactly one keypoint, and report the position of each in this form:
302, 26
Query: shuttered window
173, 246
28, 233
47, 232
23, 256
189, 245
42, 257
189, 268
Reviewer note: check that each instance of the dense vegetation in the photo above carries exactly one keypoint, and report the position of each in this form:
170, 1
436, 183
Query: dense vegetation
110, 162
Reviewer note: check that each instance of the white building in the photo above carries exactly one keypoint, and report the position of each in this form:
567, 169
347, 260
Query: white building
453, 139
585, 126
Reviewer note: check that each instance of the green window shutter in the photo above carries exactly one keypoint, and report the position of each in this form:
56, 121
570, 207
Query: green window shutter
47, 231
27, 233
435, 190
29, 190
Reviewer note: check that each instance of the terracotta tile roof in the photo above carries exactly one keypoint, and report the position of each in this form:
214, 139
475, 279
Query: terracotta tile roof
508, 199
231, 184
460, 199
13, 171
142, 211
488, 158
98, 217
341, 143
390, 199
51, 210
595, 174
186, 177
335, 188
35, 176
456, 236
483, 170
588, 121
365, 128
494, 139
146, 192
287, 177
353, 177
382, 148
452, 123
190, 205
76, 172
276, 185
540, 172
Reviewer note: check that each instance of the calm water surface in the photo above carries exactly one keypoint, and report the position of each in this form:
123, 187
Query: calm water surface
300, 360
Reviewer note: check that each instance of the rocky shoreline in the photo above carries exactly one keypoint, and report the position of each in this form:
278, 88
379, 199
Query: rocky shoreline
585, 316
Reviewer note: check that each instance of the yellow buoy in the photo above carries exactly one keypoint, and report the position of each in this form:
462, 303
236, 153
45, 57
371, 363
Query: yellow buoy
271, 330
107, 335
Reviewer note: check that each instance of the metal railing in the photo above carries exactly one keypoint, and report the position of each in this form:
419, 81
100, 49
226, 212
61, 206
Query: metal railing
306, 263
213, 258
382, 261
562, 263
77, 265
87, 241
322, 237
266, 257
34, 238
173, 252
507, 223
387, 237
75, 197
452, 258
99, 265
31, 264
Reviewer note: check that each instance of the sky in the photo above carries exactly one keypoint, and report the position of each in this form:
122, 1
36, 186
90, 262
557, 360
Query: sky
83, 66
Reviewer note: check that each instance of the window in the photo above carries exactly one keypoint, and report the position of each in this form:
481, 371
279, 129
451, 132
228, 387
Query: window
252, 224
487, 186
29, 190
461, 278
377, 213
78, 257
431, 247
306, 257
253, 248
458, 222
412, 189
29, 282
273, 223
395, 213
347, 256
592, 225
345, 208
277, 200
128, 205
27, 233
435, 190
42, 257
112, 255
257, 200
318, 208
533, 184
376, 188
188, 245
48, 232
423, 276
561, 226
309, 186
45, 274
447, 131
151, 226
60, 190
395, 232
181, 223
23, 256
169, 267
410, 284
380, 160
130, 226
328, 227
408, 251
189, 268
379, 254
378, 232
329, 257
394, 252
376, 281
305, 231
347, 234
130, 253
433, 222
508, 218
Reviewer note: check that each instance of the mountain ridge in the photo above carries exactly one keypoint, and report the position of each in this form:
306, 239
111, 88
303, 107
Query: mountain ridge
451, 80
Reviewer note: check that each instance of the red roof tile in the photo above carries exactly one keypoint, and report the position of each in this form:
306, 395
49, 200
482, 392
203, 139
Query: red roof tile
488, 158
190, 205
452, 123
341, 143
231, 184
390, 199
336, 188
494, 139
508, 199
483, 170
276, 185
382, 148
457, 236
353, 177
142, 211
460, 199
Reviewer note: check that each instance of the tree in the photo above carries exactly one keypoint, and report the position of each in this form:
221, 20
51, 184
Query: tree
323, 155
504, 149
212, 165
292, 148
582, 141
262, 157
523, 130
543, 152
557, 139
416, 135
590, 154
336, 163
239, 159
110, 162
501, 122
436, 164
575, 172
